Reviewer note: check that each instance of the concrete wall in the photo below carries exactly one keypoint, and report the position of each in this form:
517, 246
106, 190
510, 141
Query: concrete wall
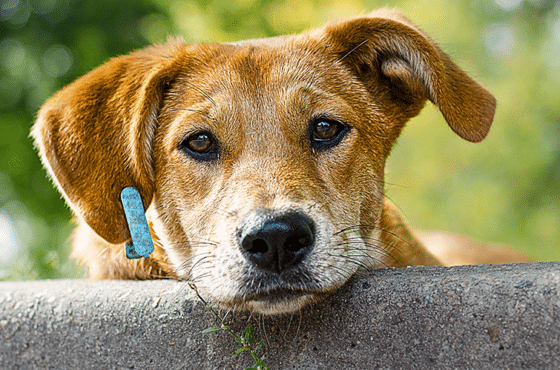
505, 316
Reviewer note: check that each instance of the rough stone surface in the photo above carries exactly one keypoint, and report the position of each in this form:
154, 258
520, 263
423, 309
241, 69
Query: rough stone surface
505, 316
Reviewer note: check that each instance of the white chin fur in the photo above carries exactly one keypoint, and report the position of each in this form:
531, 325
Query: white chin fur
267, 308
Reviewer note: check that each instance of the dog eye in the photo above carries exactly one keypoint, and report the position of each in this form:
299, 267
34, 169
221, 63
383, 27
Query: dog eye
325, 130
201, 146
200, 143
326, 133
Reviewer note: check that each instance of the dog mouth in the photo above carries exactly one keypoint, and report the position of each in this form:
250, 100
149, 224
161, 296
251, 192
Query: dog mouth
275, 301
278, 295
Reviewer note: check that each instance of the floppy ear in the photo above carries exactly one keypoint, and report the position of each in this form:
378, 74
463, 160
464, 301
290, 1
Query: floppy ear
415, 68
95, 136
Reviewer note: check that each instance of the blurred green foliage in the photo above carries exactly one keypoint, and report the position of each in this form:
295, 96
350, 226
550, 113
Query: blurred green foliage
505, 189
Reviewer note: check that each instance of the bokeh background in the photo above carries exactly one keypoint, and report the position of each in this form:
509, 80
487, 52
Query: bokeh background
503, 190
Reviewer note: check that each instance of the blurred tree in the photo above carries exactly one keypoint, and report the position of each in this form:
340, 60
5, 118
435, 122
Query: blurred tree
43, 46
502, 190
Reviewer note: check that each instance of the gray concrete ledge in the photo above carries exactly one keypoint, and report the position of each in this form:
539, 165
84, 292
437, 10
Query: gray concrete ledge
505, 316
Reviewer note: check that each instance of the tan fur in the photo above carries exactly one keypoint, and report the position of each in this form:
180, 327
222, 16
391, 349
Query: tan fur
456, 250
123, 124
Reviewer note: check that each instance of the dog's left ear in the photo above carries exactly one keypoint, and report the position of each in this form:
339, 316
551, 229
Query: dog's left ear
417, 69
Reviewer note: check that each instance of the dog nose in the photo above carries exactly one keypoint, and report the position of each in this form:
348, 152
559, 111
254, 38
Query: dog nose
276, 242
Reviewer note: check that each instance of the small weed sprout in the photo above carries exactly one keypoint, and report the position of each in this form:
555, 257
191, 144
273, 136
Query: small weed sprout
246, 340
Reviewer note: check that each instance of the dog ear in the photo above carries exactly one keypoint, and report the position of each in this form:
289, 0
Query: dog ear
415, 67
95, 136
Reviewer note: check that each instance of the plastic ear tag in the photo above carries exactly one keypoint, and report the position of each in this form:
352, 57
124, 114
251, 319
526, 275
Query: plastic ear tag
141, 244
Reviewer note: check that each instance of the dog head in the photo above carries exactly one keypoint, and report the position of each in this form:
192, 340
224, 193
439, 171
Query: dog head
261, 162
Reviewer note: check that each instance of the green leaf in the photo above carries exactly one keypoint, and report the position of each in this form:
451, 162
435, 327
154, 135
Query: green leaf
238, 340
211, 330
259, 345
249, 334
243, 349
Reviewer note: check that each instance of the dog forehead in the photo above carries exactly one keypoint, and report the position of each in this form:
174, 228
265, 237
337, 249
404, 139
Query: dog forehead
270, 63
246, 78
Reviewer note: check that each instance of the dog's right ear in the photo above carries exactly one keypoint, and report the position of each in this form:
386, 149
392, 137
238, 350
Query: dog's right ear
95, 136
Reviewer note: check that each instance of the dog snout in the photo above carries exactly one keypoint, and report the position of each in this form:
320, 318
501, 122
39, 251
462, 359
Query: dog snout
275, 241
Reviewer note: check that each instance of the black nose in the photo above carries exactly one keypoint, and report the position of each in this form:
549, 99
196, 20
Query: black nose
276, 241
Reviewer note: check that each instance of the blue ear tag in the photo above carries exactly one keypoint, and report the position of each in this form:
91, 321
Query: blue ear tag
141, 244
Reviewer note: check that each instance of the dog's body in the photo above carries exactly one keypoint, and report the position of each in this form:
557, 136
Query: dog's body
261, 163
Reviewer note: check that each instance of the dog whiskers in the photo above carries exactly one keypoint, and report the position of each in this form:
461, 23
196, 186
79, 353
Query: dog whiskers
312, 79
355, 228
225, 212
264, 331
319, 204
341, 59
371, 245
200, 261
204, 94
250, 315
366, 250
202, 113
356, 259
197, 278
288, 327
298, 327
343, 273
227, 313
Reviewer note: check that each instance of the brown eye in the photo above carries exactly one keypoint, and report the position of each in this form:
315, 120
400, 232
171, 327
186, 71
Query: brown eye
200, 143
200, 146
325, 130
326, 133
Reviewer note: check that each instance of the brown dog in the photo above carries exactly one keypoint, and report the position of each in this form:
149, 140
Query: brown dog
261, 162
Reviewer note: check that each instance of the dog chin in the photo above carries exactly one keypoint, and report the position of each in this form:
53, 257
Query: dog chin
276, 302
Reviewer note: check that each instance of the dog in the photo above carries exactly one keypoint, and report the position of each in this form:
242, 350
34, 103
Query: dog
260, 162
